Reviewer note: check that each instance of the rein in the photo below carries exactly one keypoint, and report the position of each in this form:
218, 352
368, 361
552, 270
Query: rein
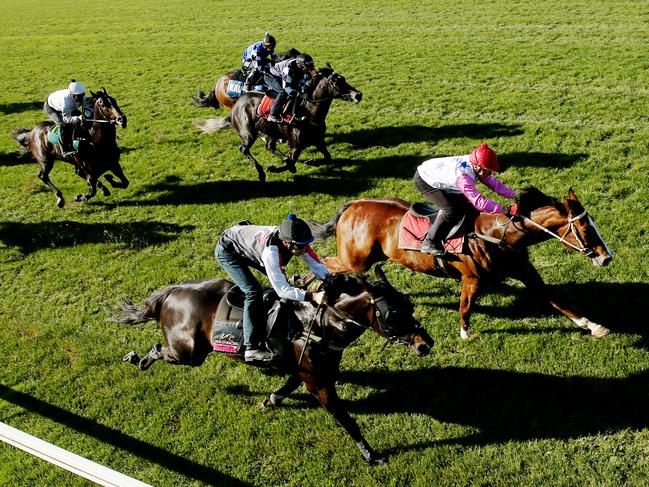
571, 228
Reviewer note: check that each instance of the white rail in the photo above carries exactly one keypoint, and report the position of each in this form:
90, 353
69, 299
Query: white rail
74, 463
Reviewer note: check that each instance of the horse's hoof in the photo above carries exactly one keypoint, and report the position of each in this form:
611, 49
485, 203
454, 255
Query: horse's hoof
80, 198
599, 331
378, 460
292, 169
274, 169
266, 405
131, 358
105, 191
464, 334
262, 177
60, 202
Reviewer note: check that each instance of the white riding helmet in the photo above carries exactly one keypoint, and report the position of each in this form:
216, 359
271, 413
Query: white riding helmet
77, 88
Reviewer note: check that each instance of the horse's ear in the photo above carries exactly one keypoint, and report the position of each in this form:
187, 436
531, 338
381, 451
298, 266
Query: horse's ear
105, 92
572, 195
329, 66
380, 274
93, 94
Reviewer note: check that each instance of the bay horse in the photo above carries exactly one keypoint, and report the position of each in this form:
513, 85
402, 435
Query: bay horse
326, 86
367, 231
186, 313
218, 96
94, 158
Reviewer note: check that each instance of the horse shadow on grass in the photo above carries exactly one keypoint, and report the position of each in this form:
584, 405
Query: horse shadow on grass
394, 136
9, 108
119, 440
621, 307
505, 405
31, 237
16, 158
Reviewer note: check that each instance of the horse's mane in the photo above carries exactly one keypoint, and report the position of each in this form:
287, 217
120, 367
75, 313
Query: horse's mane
352, 283
531, 198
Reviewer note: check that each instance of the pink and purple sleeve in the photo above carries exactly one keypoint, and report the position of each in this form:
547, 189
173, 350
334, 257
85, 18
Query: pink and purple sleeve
483, 204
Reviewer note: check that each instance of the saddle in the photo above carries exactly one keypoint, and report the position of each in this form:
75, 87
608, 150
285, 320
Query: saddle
282, 326
54, 137
263, 110
417, 220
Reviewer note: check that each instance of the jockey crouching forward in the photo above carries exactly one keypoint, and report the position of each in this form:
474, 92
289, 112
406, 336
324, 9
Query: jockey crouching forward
267, 249
256, 59
288, 78
449, 183
62, 107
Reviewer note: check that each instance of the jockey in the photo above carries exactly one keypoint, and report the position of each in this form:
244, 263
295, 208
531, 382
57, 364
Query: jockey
267, 249
288, 78
450, 184
62, 107
256, 58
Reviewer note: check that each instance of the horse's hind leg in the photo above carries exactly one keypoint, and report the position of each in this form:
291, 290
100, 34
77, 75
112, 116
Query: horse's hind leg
247, 141
276, 398
158, 352
271, 146
289, 161
322, 147
44, 175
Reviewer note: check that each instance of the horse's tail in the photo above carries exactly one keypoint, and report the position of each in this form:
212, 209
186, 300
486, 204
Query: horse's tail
131, 314
212, 124
21, 135
322, 231
203, 100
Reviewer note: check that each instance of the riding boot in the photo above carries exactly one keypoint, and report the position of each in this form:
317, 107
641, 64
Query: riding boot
251, 80
433, 242
67, 147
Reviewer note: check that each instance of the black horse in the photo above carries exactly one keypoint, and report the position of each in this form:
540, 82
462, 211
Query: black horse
97, 155
327, 86
186, 313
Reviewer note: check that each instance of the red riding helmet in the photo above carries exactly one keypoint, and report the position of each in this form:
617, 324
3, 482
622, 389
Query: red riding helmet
484, 157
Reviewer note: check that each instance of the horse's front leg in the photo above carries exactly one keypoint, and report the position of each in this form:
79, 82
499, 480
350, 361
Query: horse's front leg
289, 161
529, 276
322, 147
92, 188
329, 399
119, 172
271, 146
276, 398
468, 297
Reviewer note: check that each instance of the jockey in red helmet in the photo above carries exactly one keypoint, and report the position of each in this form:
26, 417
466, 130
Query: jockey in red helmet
450, 184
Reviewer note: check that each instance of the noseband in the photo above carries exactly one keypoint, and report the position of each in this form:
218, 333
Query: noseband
583, 249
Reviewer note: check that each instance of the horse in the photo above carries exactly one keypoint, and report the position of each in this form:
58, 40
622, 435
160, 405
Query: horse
218, 96
327, 86
186, 313
367, 231
94, 158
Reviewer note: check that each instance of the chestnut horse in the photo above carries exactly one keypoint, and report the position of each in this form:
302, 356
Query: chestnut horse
93, 159
367, 231
186, 313
327, 86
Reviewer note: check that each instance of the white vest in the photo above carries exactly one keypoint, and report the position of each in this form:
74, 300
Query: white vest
442, 172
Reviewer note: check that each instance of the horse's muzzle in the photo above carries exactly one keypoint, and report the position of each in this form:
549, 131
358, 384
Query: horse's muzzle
356, 96
421, 343
121, 121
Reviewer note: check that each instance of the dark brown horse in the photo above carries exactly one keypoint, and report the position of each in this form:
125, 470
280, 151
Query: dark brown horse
367, 232
327, 86
186, 313
94, 158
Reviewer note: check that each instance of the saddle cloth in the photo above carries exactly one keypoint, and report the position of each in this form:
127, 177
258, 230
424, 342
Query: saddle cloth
415, 224
54, 135
263, 110
234, 88
282, 326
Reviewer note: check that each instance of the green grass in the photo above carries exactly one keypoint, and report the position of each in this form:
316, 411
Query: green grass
559, 89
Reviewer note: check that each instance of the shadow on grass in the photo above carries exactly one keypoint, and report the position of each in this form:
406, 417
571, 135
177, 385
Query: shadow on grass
506, 406
31, 237
9, 108
394, 136
16, 158
111, 436
539, 159
621, 307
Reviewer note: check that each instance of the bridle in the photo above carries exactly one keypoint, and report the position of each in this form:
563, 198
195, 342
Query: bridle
582, 248
330, 81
